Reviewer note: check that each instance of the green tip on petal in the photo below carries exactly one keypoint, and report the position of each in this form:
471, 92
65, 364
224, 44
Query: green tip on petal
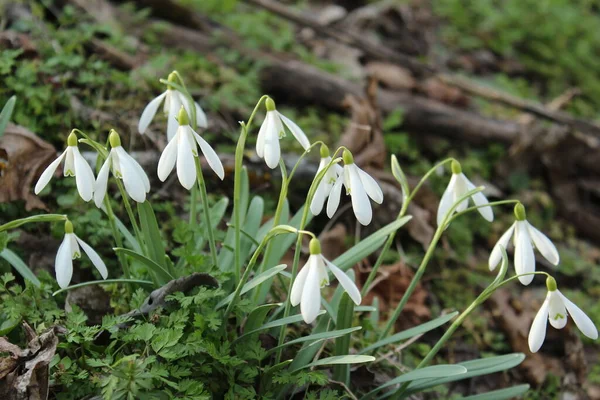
455, 167
520, 214
314, 247
182, 117
114, 139
68, 226
551, 284
270, 104
347, 157
72, 139
324, 151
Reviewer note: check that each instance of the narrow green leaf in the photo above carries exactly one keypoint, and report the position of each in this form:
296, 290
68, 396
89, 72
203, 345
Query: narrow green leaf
346, 359
317, 337
217, 212
274, 324
501, 394
426, 327
341, 372
307, 353
260, 278
161, 273
6, 113
13, 259
257, 316
151, 233
105, 282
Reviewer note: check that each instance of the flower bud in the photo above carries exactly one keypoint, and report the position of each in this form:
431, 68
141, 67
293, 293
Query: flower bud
172, 78
314, 246
324, 151
455, 167
520, 214
68, 226
270, 104
182, 117
347, 157
114, 139
551, 284
72, 139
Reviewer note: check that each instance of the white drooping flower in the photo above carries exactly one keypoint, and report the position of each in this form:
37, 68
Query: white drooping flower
69, 250
525, 237
360, 186
324, 188
173, 101
182, 149
556, 308
306, 289
123, 167
271, 130
458, 186
75, 165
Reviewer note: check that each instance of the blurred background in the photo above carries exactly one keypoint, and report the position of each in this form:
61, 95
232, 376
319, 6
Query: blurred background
510, 88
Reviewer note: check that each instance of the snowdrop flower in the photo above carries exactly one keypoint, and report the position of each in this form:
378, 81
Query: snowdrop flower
556, 308
306, 289
75, 165
324, 188
360, 186
173, 100
458, 186
525, 237
123, 167
271, 130
182, 149
68, 251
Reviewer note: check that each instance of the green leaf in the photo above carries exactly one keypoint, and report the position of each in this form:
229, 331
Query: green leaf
8, 325
346, 359
217, 211
151, 233
435, 371
161, 273
278, 322
3, 240
307, 353
257, 316
126, 234
317, 337
501, 394
22, 268
368, 245
105, 282
342, 344
426, 327
260, 278
6, 113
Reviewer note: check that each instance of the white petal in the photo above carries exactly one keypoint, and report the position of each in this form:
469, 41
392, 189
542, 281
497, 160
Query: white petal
102, 182
296, 131
311, 296
543, 244
460, 189
211, 156
172, 123
201, 119
134, 184
271, 143
583, 322
262, 134
69, 169
496, 254
48, 173
298, 286
318, 200
480, 199
84, 177
94, 258
334, 197
149, 112
345, 281
63, 264
371, 186
167, 159
75, 251
360, 200
557, 313
446, 200
537, 333
135, 167
186, 167
524, 257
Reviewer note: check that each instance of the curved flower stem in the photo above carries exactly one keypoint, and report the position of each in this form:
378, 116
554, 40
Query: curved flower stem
205, 208
492, 204
130, 213
36, 218
426, 176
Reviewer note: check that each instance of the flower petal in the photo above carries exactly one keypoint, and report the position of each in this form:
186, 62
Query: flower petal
94, 258
102, 182
446, 200
149, 112
360, 200
84, 177
135, 167
134, 184
69, 168
524, 257
298, 286
334, 197
211, 156
186, 167
583, 322
271, 143
460, 189
168, 158
537, 333
543, 244
262, 134
371, 186
479, 199
201, 119
318, 200
63, 264
345, 281
48, 173
310, 304
496, 254
174, 107
557, 313
296, 131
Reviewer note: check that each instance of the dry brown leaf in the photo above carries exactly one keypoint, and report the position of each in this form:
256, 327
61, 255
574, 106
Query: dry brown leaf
26, 156
391, 75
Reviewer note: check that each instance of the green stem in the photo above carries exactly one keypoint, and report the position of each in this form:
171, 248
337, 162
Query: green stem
116, 235
426, 176
130, 213
492, 204
206, 209
193, 201
36, 218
